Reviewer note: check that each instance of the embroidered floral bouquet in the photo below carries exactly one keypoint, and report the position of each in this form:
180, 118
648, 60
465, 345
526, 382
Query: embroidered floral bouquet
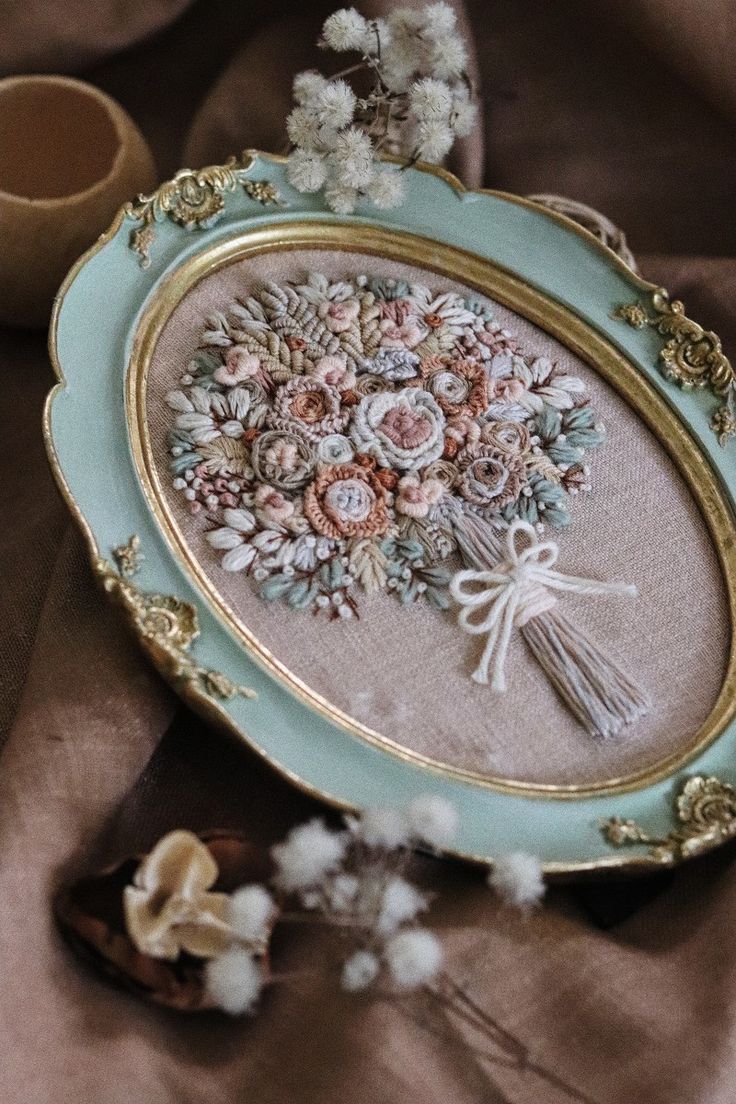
367, 434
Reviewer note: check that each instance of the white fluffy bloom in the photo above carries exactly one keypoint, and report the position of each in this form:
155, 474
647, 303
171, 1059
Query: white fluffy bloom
383, 827
340, 199
342, 892
413, 957
352, 158
517, 879
401, 901
334, 105
306, 170
250, 911
303, 129
387, 189
449, 58
309, 852
345, 30
377, 31
430, 98
234, 981
359, 971
433, 820
307, 85
464, 115
434, 139
440, 19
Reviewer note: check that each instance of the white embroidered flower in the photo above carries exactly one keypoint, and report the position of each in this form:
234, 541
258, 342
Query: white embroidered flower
518, 880
306, 170
234, 981
393, 364
345, 30
403, 430
359, 971
309, 852
335, 449
413, 958
387, 189
447, 309
546, 384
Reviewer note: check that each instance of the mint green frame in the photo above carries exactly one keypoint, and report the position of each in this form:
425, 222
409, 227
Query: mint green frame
95, 321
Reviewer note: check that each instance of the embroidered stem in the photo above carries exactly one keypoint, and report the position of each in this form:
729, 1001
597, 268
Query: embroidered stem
509, 587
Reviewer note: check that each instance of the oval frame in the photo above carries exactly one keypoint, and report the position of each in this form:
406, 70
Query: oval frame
541, 265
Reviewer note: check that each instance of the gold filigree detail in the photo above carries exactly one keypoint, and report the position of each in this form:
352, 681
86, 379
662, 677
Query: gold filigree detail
706, 811
692, 357
129, 557
195, 200
166, 626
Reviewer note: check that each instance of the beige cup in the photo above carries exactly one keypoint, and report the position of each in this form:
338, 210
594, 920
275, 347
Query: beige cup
69, 157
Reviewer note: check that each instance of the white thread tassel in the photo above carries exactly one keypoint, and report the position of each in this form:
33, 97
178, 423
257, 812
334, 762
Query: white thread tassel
519, 592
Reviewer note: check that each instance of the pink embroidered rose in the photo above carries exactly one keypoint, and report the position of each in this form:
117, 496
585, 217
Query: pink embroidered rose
415, 498
272, 506
404, 335
239, 366
334, 371
339, 317
459, 386
489, 478
400, 429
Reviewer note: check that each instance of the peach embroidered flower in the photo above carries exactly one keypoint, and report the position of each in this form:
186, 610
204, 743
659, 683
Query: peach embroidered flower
170, 908
506, 436
403, 430
239, 366
272, 506
506, 390
346, 500
489, 478
415, 498
339, 316
404, 335
310, 407
459, 386
334, 371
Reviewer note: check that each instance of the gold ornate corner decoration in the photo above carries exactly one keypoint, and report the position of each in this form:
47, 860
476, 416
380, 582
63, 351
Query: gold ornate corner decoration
167, 626
195, 200
692, 357
706, 811
129, 557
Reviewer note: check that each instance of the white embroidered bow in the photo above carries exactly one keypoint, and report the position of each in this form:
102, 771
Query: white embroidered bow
513, 592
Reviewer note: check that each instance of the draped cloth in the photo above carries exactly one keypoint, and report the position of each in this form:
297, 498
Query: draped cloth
627, 106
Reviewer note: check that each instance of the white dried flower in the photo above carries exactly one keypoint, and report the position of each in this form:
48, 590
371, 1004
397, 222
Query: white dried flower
306, 170
401, 902
383, 827
342, 892
377, 37
387, 189
352, 158
518, 880
345, 30
413, 957
341, 200
309, 852
250, 911
334, 105
303, 129
449, 59
439, 20
307, 86
430, 98
234, 981
434, 820
359, 971
434, 139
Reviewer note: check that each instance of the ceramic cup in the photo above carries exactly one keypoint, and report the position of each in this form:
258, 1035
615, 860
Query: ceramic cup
69, 157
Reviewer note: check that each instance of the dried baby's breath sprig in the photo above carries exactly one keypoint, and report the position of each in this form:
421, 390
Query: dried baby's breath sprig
419, 103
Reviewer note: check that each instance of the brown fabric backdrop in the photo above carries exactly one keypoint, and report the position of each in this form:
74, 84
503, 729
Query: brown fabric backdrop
626, 106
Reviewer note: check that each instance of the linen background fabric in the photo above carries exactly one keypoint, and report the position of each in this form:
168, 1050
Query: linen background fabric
626, 106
